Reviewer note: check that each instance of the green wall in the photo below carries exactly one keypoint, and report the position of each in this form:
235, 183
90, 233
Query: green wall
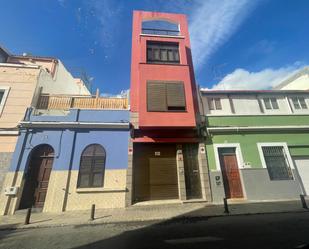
298, 144
261, 120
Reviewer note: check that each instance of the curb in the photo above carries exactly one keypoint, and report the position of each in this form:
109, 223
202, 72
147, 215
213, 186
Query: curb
179, 219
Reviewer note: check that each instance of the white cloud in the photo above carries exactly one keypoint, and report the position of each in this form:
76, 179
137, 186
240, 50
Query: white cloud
212, 23
242, 79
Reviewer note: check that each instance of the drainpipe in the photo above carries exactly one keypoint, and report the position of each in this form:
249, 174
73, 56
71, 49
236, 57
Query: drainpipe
67, 187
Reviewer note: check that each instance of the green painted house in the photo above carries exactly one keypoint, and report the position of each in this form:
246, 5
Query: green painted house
257, 143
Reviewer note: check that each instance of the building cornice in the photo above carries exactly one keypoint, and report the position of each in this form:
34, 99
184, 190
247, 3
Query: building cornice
257, 128
80, 125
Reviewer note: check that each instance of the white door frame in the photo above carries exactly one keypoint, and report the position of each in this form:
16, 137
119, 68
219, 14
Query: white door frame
240, 161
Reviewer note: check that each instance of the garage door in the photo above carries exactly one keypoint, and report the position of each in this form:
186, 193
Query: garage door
155, 172
302, 164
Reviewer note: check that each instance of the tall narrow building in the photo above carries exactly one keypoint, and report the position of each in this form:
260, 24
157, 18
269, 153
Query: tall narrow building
168, 157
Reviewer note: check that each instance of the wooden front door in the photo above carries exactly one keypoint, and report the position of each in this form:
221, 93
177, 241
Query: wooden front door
37, 177
155, 172
230, 173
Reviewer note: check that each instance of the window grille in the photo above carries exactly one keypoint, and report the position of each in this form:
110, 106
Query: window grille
277, 163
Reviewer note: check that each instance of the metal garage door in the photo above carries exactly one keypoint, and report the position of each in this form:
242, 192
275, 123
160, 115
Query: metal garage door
302, 164
155, 172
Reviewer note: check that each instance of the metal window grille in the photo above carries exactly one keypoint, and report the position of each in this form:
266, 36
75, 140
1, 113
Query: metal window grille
277, 163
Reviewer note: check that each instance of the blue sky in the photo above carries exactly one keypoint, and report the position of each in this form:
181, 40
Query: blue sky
240, 44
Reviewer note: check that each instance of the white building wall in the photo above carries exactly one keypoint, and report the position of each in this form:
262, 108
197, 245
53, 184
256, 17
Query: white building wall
301, 83
62, 82
282, 103
246, 104
225, 103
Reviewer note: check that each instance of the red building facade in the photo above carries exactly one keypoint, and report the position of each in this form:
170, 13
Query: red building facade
169, 159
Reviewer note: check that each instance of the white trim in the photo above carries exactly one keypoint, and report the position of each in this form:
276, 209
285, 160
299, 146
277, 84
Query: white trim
6, 90
19, 65
286, 150
101, 189
240, 161
258, 128
74, 125
4, 132
257, 114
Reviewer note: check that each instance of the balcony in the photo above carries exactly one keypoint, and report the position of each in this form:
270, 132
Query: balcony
66, 102
153, 31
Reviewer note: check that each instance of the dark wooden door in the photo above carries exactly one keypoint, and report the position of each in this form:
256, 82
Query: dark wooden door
192, 172
45, 168
230, 174
37, 177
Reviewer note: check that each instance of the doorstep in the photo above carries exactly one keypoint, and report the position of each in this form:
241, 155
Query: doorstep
157, 202
195, 201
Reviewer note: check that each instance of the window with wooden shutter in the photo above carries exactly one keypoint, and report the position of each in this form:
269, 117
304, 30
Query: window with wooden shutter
156, 100
92, 166
165, 96
175, 96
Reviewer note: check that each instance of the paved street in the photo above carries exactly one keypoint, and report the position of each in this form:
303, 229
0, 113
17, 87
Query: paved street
285, 230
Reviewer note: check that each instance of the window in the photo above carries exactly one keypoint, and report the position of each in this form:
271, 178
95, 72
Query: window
4, 91
1, 95
92, 166
271, 103
214, 104
159, 27
165, 96
158, 52
299, 103
277, 163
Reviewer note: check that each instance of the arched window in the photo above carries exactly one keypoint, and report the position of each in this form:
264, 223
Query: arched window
160, 27
92, 166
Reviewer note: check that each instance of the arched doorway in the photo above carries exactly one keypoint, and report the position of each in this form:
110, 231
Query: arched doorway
37, 177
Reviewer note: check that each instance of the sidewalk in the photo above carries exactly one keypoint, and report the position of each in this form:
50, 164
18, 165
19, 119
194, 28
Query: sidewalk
166, 212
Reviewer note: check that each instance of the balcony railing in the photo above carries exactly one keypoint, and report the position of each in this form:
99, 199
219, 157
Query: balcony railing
65, 102
160, 32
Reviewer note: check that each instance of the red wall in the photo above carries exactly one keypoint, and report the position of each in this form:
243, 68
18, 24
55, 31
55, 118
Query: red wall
141, 72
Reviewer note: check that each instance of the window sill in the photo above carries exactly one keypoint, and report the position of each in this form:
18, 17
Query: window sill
100, 190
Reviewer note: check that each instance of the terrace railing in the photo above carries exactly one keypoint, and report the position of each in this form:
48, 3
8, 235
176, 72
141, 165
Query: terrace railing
65, 102
169, 32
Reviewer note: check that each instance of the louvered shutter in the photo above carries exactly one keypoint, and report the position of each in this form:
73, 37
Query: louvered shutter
156, 96
175, 96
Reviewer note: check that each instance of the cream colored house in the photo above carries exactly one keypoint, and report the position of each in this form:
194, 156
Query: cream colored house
22, 80
299, 81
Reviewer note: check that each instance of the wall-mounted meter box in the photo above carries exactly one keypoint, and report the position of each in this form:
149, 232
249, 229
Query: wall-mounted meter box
11, 190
